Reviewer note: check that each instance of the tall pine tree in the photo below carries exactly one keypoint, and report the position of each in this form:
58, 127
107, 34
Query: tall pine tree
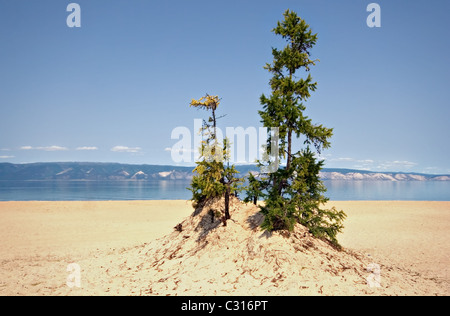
294, 193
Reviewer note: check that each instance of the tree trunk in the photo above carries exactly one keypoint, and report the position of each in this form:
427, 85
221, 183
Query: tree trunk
215, 130
283, 182
227, 202
288, 163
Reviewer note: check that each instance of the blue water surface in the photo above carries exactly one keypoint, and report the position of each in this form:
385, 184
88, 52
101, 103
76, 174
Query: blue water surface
338, 190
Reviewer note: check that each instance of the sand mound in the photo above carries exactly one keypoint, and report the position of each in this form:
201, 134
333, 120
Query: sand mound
203, 257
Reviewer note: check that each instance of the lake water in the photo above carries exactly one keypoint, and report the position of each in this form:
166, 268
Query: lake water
338, 190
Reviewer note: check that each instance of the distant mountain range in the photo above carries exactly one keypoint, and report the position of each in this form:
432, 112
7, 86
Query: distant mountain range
348, 174
115, 171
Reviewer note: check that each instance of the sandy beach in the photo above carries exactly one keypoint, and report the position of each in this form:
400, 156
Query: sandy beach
107, 241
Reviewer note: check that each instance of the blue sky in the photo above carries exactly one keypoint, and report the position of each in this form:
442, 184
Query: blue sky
114, 89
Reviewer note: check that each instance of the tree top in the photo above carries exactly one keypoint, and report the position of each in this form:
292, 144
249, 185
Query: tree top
207, 102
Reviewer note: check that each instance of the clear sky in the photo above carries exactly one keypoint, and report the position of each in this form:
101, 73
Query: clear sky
114, 89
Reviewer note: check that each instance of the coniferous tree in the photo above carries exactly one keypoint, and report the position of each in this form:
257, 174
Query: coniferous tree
253, 189
206, 184
294, 193
214, 176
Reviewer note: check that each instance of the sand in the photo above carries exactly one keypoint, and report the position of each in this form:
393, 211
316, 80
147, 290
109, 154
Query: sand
131, 248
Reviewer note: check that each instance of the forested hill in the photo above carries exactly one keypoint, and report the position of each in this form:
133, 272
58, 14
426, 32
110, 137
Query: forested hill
116, 171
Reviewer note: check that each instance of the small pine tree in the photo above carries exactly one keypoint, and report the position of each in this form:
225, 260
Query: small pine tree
213, 178
253, 189
207, 182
